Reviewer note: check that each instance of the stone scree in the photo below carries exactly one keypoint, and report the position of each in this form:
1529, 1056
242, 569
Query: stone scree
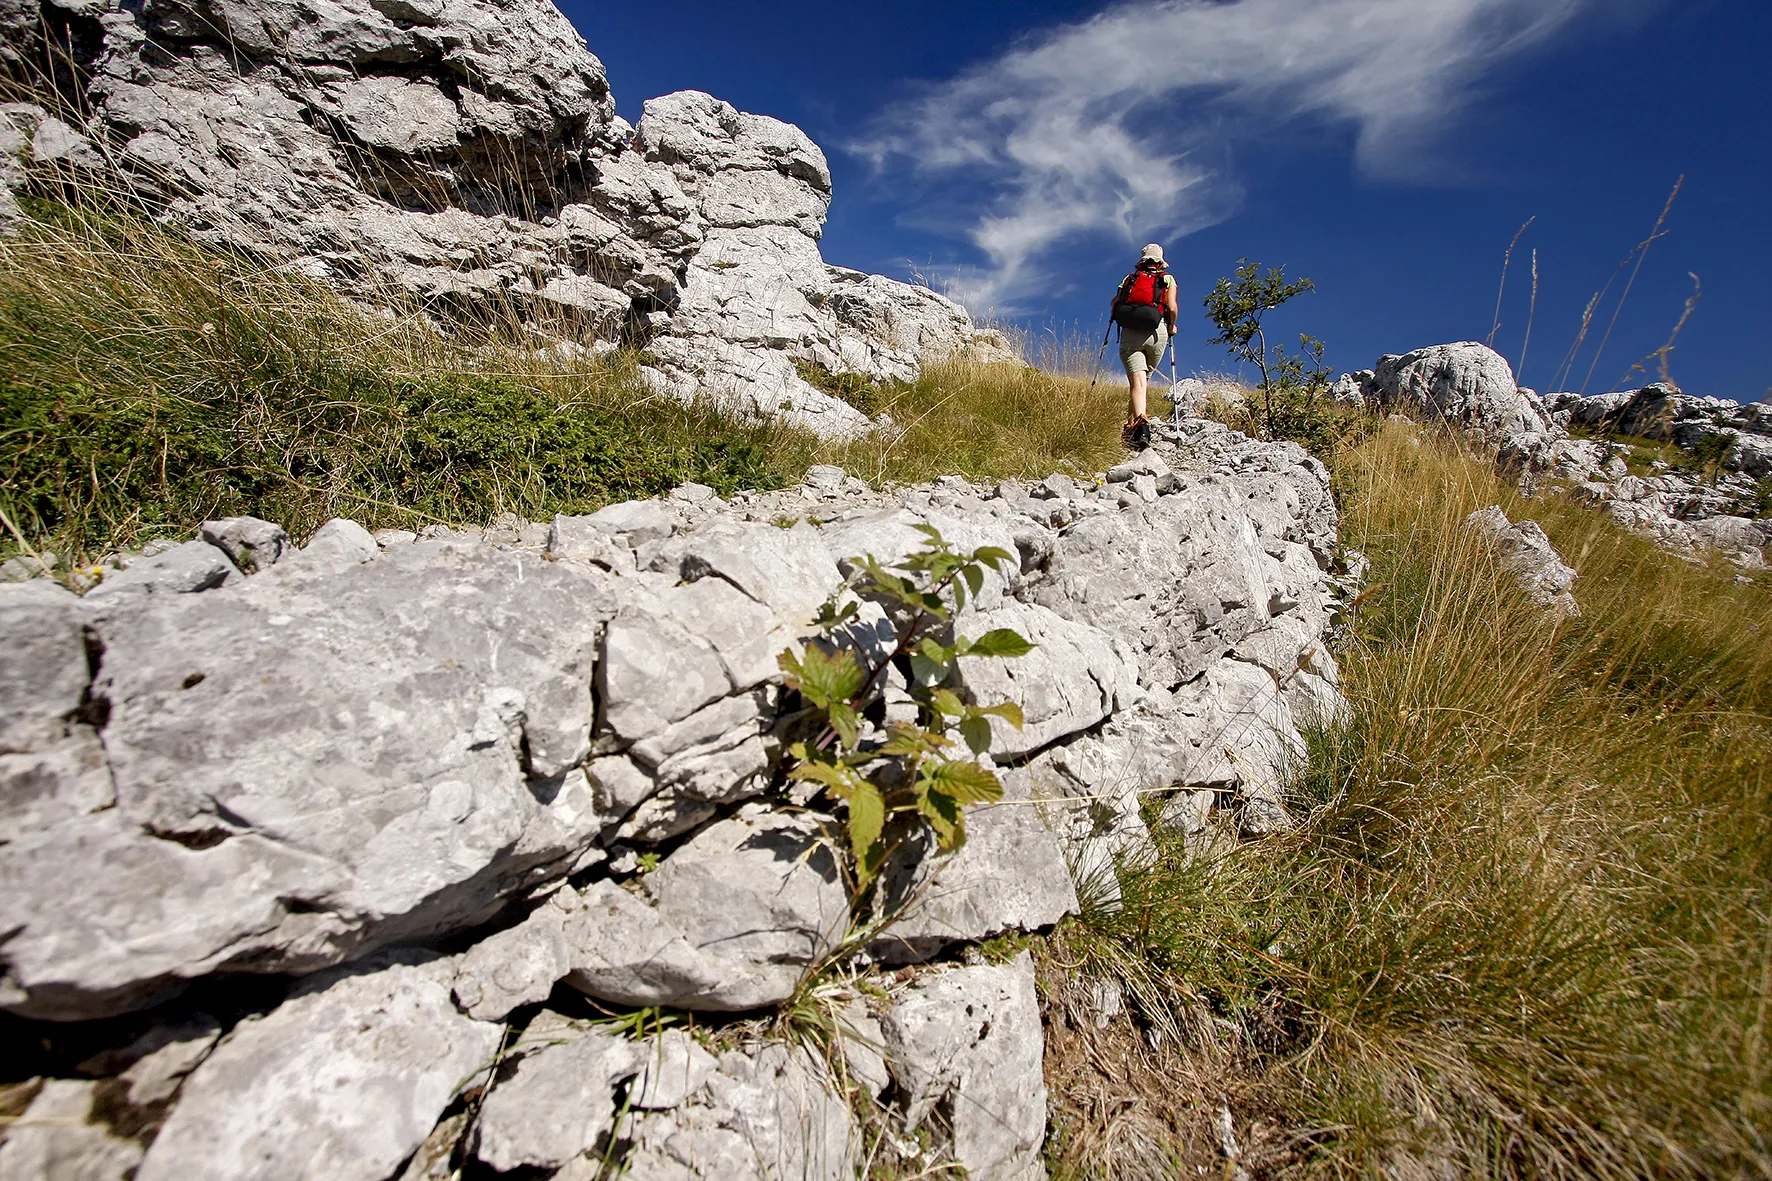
468, 153
435, 786
1688, 512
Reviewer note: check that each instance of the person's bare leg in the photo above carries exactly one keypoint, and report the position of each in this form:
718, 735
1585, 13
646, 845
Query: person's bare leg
1137, 383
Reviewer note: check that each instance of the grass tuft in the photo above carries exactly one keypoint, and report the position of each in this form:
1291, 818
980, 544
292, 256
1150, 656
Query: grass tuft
1525, 930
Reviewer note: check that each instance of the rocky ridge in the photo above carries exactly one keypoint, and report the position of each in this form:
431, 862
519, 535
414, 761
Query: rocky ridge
438, 794
467, 154
1685, 509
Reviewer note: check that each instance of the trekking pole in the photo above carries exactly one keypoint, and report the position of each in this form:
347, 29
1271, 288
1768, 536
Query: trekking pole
1100, 353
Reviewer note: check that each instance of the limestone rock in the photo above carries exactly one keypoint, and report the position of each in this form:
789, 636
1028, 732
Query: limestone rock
58, 1138
251, 544
559, 1101
1466, 384
768, 1111
969, 1041
1074, 677
182, 570
517, 966
730, 921
502, 175
1528, 553
311, 763
672, 1068
1011, 874
343, 1080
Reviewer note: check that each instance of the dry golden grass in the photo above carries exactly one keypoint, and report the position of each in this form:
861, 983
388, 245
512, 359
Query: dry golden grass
990, 421
1525, 931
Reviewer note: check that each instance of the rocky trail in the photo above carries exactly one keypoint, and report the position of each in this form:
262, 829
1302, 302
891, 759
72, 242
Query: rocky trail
474, 852
431, 788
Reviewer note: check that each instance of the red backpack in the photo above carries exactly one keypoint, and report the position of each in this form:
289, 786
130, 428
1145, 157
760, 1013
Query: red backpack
1139, 307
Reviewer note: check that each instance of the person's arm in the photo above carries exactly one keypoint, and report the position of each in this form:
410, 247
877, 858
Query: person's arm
1171, 309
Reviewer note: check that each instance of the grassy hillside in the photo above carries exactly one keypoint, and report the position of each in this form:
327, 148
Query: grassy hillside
1525, 930
147, 383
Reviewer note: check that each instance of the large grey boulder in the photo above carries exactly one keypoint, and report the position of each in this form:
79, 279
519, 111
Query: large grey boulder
1466, 384
342, 1081
968, 1041
310, 763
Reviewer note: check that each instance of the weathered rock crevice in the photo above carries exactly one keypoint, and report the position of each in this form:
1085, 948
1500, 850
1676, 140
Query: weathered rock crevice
458, 774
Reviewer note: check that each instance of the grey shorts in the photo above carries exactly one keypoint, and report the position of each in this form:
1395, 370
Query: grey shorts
1143, 356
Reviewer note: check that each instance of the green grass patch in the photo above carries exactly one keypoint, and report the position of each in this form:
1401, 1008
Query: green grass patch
149, 384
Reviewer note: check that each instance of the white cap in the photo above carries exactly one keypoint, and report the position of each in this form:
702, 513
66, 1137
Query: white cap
1151, 253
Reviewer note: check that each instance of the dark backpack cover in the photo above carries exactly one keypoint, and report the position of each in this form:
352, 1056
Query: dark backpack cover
1139, 306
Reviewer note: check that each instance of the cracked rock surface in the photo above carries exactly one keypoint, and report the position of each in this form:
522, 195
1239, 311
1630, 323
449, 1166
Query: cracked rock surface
447, 795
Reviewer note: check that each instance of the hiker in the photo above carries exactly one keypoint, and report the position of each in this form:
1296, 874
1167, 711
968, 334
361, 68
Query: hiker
1145, 309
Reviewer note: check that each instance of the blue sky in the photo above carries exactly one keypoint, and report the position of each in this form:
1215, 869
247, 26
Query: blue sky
1019, 153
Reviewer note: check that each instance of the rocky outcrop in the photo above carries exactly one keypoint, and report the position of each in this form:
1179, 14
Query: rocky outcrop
466, 154
1527, 553
1708, 505
430, 789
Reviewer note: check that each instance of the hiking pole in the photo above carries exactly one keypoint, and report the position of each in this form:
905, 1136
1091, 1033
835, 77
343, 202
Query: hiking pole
1100, 353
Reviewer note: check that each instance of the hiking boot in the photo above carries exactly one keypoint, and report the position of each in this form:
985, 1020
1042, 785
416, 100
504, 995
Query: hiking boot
1140, 434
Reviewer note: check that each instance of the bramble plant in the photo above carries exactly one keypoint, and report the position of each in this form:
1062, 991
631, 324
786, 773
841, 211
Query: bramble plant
900, 767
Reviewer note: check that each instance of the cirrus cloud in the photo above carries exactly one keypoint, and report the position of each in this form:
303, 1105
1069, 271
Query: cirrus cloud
1121, 125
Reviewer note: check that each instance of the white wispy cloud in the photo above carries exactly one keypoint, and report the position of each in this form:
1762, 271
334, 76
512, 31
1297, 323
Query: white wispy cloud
1121, 124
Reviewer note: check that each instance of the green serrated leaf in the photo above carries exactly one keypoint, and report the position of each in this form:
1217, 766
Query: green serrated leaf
867, 817
845, 722
928, 673
976, 730
1008, 711
959, 596
949, 703
912, 740
1002, 641
943, 814
839, 777
929, 531
974, 576
996, 555
823, 678
968, 783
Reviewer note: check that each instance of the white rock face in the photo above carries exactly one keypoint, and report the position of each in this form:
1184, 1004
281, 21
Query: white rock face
554, 752
1528, 553
54, 1140
968, 1041
467, 152
1466, 383
342, 1081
